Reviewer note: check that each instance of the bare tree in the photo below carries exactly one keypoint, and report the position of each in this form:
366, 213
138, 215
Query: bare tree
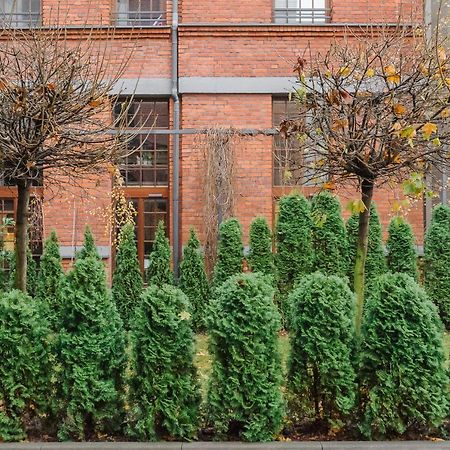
377, 109
55, 113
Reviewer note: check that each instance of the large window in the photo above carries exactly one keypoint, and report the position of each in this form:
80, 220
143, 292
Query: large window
20, 13
301, 11
141, 13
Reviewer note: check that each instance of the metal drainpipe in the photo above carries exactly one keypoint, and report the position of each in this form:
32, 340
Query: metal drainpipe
176, 141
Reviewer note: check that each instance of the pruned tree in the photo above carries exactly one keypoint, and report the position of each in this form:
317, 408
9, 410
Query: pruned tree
377, 109
55, 114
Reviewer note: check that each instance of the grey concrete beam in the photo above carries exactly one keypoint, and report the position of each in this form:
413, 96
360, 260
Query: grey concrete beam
143, 86
69, 251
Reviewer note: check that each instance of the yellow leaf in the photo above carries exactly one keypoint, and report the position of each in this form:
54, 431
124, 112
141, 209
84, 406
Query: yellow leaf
399, 110
95, 103
394, 79
327, 73
344, 71
442, 56
390, 70
370, 73
428, 129
447, 82
391, 74
445, 113
329, 185
184, 315
436, 142
397, 159
356, 206
423, 70
408, 132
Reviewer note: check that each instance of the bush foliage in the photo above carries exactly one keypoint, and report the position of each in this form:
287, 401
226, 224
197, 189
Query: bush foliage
329, 236
158, 271
322, 334
127, 283
244, 389
400, 245
260, 258
230, 251
164, 391
437, 261
92, 351
402, 359
24, 368
193, 281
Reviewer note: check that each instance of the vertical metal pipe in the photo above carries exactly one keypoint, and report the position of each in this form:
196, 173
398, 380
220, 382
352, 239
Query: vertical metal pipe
176, 141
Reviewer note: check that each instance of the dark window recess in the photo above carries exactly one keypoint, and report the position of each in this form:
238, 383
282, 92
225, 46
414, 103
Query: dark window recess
141, 13
20, 13
148, 165
301, 11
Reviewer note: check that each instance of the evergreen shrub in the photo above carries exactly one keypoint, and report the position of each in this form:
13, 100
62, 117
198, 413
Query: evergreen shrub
24, 368
260, 258
158, 271
329, 236
127, 283
322, 335
437, 261
244, 393
230, 251
164, 392
400, 245
92, 352
402, 375
193, 281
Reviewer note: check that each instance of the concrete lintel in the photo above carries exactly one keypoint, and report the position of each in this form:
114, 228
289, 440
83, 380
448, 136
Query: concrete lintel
69, 252
143, 86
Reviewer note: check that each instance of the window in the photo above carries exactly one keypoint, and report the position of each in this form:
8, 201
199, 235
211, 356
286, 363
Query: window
141, 13
301, 11
20, 13
148, 165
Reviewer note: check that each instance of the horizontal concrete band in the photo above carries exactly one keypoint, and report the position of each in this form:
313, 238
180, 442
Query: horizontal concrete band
316, 445
69, 251
206, 85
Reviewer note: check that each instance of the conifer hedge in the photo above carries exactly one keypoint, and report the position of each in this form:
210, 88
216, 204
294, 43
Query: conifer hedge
244, 392
50, 282
24, 369
437, 261
376, 261
127, 283
92, 352
193, 281
260, 258
402, 375
400, 245
230, 251
294, 256
329, 236
164, 391
322, 335
158, 272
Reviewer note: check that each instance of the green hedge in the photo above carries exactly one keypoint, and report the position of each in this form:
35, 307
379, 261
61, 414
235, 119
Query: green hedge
158, 271
260, 258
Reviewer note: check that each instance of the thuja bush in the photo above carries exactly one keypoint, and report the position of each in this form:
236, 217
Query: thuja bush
31, 272
437, 261
294, 256
322, 336
244, 392
329, 236
193, 281
92, 353
24, 368
375, 261
50, 282
164, 392
400, 245
127, 283
260, 258
158, 271
230, 251
402, 375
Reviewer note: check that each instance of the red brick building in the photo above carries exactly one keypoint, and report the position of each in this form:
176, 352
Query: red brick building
198, 64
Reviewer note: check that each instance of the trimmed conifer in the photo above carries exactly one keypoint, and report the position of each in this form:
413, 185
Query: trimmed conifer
92, 352
375, 261
127, 283
244, 391
24, 369
164, 391
260, 258
193, 281
50, 281
230, 252
402, 374
329, 236
294, 256
31, 272
437, 261
400, 245
158, 271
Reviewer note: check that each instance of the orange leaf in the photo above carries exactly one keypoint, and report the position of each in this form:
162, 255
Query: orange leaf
95, 103
397, 159
329, 185
428, 129
399, 110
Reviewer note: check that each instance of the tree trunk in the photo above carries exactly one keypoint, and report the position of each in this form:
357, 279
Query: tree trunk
361, 251
23, 200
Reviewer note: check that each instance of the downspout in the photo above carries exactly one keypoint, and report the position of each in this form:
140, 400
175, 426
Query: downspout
176, 141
